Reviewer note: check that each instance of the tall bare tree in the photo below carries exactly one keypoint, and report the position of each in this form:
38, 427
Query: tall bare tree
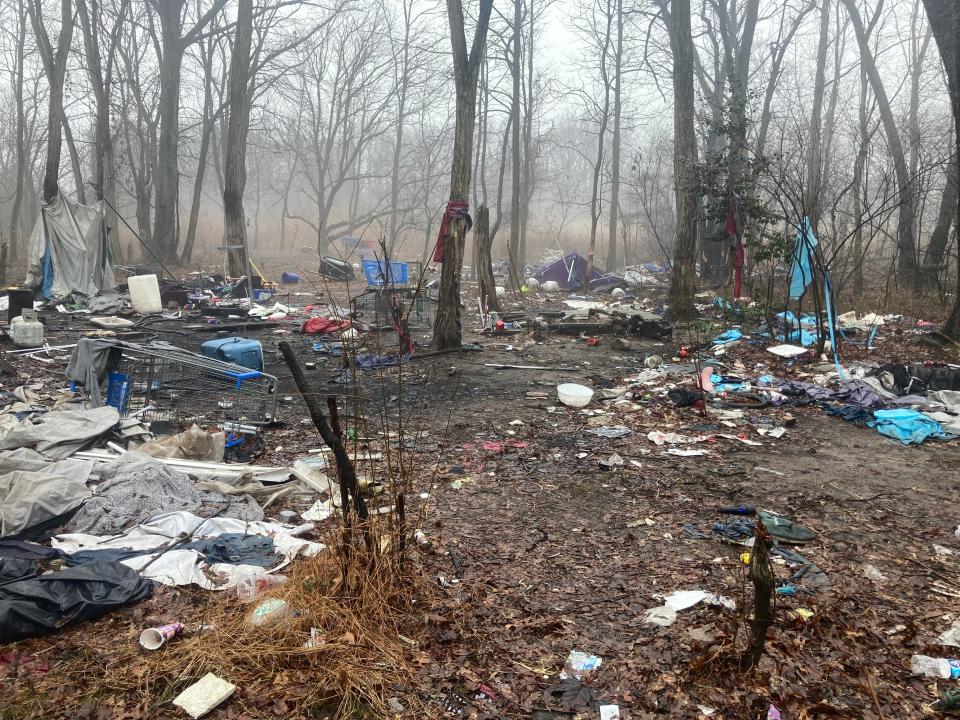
173, 43
466, 69
683, 280
238, 126
100, 72
55, 67
944, 17
906, 187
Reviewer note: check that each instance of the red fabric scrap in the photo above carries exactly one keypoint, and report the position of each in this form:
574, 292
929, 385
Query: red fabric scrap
323, 326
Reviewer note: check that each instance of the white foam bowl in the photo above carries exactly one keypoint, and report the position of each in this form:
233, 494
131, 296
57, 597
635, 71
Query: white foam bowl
573, 395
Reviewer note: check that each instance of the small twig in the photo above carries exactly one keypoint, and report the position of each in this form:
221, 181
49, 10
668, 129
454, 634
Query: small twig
873, 692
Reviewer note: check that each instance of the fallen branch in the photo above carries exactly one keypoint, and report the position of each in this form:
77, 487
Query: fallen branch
349, 488
497, 366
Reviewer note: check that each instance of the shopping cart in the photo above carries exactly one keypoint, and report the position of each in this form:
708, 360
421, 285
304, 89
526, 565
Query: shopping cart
163, 383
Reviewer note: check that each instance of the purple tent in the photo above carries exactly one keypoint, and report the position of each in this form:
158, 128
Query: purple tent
570, 271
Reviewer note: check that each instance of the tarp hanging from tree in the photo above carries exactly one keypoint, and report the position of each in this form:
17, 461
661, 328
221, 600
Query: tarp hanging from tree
801, 271
68, 251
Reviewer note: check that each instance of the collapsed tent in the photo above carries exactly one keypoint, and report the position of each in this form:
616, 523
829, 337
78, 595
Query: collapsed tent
68, 251
570, 271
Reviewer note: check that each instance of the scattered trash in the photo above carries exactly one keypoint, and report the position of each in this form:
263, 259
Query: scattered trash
951, 636
787, 351
578, 665
773, 713
573, 395
154, 638
611, 431
204, 695
269, 611
666, 614
944, 668
609, 712
612, 463
873, 573
395, 706
662, 615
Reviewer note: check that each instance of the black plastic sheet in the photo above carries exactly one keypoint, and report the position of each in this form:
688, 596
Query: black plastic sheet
45, 604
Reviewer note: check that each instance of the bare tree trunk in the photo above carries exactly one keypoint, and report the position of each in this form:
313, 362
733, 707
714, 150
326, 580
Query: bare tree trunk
235, 161
528, 180
683, 280
100, 81
858, 172
601, 137
466, 68
935, 256
401, 111
611, 265
906, 247
167, 178
206, 130
944, 17
74, 161
55, 67
814, 137
173, 43
515, 261
481, 236
12, 246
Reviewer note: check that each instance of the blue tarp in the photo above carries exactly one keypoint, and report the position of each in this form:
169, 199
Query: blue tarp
907, 426
801, 272
728, 337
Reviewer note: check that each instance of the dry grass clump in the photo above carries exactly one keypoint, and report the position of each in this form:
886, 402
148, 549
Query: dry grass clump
337, 646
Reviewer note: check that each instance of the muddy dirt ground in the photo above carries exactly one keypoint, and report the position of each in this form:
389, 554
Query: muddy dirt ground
559, 554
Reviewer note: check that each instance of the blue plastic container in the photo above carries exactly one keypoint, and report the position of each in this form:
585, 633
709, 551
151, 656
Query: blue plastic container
375, 273
236, 350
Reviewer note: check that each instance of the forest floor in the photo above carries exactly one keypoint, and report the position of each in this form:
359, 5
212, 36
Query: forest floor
558, 554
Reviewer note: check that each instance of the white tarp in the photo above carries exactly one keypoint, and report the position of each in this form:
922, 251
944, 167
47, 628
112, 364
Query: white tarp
77, 240
185, 566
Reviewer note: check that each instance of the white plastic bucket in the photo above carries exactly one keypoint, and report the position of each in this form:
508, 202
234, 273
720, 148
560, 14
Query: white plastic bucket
144, 293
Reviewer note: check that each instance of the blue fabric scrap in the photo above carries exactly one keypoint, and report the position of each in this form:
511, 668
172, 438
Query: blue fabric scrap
727, 337
906, 425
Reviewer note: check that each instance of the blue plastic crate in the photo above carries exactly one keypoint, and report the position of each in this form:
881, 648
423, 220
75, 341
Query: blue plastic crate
375, 271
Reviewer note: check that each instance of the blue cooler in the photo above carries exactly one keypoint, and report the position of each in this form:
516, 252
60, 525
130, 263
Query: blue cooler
236, 350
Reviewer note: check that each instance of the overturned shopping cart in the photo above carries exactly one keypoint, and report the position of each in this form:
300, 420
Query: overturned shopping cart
163, 383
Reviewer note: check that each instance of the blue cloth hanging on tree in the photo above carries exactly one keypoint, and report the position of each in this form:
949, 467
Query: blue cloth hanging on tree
801, 271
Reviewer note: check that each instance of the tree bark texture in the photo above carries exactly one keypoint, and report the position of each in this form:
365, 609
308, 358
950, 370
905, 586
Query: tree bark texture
55, 67
906, 247
683, 279
935, 256
944, 17
235, 160
466, 67
814, 136
613, 225
595, 209
481, 236
516, 65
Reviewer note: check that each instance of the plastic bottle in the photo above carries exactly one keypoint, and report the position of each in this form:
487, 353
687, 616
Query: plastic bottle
945, 668
249, 587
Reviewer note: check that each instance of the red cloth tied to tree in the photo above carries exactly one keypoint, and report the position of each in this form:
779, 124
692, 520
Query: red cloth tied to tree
455, 209
733, 232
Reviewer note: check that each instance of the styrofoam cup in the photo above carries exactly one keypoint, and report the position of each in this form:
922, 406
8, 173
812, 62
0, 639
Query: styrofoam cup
154, 638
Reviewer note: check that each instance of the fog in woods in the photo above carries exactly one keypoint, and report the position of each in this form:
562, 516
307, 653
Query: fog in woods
318, 125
